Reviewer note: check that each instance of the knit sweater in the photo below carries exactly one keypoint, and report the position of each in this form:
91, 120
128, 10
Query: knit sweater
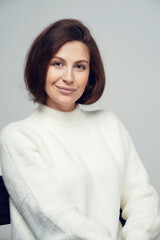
69, 173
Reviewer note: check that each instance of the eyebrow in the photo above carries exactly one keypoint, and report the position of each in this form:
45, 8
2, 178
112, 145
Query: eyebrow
82, 60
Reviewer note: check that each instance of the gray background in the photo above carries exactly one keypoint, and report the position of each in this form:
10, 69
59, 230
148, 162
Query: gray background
128, 36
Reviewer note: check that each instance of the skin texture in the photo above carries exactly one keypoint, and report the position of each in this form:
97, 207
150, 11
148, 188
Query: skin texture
71, 71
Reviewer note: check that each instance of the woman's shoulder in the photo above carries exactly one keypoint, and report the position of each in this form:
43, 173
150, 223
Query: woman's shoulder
103, 115
108, 120
18, 135
12, 128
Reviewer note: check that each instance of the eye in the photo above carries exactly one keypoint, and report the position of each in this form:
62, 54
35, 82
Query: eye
80, 66
58, 64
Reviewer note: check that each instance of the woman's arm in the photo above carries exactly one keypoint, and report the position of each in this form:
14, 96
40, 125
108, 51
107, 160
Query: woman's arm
139, 200
37, 194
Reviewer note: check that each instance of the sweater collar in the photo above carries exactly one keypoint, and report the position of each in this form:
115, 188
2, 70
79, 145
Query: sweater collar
59, 118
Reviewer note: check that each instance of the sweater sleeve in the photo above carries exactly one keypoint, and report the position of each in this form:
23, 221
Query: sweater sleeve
38, 195
139, 200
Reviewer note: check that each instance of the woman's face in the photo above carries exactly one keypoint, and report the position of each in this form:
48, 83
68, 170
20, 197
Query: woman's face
69, 68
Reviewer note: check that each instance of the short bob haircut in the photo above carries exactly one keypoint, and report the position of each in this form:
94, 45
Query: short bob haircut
47, 44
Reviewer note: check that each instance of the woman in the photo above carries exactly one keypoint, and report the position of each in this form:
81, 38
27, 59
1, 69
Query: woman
69, 171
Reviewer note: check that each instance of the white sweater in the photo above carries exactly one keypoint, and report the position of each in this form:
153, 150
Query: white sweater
69, 173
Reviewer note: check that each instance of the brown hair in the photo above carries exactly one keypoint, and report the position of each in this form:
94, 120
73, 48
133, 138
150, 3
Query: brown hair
45, 46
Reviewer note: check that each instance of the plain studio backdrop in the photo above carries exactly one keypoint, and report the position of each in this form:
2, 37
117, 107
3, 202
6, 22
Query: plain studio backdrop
128, 35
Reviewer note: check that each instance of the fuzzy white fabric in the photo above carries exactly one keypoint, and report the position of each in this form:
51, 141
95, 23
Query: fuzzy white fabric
68, 174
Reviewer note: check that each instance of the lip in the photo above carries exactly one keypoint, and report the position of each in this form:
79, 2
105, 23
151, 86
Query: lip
65, 91
68, 89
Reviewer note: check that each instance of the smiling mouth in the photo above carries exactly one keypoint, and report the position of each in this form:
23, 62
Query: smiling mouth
65, 90
68, 89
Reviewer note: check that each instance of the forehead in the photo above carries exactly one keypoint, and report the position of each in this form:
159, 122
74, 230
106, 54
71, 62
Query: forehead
74, 49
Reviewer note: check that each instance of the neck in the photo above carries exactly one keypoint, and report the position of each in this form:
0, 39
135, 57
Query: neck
60, 107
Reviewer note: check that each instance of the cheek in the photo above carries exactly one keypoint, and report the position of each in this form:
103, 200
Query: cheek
52, 76
84, 80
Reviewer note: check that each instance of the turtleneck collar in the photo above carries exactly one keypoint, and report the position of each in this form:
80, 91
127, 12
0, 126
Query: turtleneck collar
59, 118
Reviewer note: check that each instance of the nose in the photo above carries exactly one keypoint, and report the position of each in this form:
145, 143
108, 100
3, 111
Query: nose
68, 75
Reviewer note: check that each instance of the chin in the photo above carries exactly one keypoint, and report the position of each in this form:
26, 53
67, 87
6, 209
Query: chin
66, 103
